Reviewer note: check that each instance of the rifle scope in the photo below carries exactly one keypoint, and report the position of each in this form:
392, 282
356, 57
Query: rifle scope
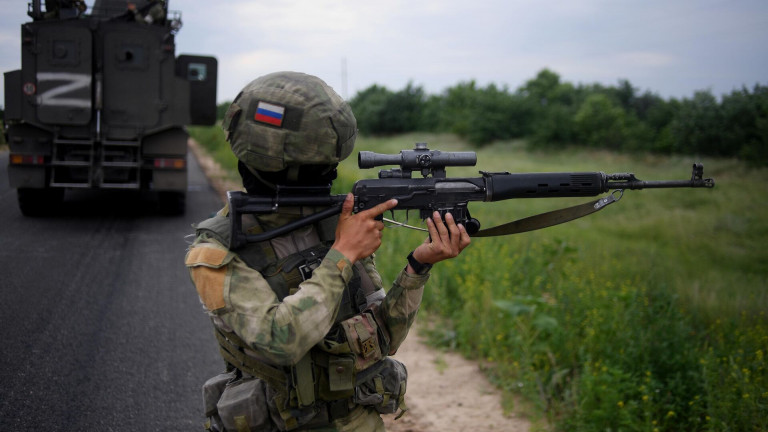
417, 159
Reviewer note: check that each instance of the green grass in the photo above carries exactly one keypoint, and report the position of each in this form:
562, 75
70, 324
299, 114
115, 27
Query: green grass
211, 138
649, 315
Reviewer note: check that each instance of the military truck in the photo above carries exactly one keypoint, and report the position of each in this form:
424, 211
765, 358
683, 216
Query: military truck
101, 102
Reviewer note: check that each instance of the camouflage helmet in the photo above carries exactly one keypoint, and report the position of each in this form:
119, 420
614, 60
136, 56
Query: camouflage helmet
287, 120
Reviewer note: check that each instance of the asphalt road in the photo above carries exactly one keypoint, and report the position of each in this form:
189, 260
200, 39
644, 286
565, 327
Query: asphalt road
100, 326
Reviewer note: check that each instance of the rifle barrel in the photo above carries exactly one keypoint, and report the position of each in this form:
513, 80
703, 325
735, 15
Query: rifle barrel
661, 184
629, 181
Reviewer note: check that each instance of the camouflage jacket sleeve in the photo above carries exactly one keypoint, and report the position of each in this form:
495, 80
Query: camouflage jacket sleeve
400, 305
279, 332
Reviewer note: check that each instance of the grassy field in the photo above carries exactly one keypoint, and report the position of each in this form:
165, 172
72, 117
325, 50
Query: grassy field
647, 316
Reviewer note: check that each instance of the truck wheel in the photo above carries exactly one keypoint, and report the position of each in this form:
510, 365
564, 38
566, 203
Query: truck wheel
39, 202
172, 203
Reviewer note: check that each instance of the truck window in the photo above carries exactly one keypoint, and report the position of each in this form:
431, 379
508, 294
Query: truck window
197, 72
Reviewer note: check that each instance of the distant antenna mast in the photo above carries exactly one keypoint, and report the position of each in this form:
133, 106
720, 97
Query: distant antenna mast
344, 78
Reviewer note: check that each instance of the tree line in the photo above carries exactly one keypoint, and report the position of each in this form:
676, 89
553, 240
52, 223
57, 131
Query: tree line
550, 113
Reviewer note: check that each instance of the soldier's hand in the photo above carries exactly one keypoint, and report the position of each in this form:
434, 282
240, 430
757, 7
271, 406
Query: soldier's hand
358, 235
446, 240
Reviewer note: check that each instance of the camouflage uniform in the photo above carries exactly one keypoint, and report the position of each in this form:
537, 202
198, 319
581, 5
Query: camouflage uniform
291, 343
239, 299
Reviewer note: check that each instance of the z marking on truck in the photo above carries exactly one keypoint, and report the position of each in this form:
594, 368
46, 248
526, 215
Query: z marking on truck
71, 82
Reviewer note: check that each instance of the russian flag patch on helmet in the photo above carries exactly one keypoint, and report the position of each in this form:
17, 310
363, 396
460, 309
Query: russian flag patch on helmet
269, 113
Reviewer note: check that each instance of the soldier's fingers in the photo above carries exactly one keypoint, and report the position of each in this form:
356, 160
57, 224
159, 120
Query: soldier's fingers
465, 239
452, 245
348, 205
381, 208
453, 230
432, 229
441, 228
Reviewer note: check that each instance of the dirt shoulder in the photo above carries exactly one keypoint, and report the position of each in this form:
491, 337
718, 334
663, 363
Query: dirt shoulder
445, 391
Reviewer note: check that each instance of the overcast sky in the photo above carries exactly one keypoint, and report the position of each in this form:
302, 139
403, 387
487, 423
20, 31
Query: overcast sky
669, 47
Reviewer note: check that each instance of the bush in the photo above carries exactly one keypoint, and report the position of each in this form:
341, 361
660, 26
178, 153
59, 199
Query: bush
484, 115
380, 111
601, 123
552, 113
746, 117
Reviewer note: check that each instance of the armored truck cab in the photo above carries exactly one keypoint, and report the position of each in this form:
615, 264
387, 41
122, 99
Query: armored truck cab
101, 101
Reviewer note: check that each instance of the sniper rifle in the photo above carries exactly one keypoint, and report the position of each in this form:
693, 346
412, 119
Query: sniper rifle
434, 191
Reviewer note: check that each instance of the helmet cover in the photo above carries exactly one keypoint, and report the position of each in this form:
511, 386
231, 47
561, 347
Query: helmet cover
289, 119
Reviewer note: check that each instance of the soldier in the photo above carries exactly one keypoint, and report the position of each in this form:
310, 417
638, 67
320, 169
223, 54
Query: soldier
55, 9
302, 321
152, 12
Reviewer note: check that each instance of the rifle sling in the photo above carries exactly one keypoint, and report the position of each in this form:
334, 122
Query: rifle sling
552, 218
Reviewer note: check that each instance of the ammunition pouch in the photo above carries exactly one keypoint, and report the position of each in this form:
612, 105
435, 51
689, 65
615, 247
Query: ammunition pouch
363, 336
383, 386
243, 406
212, 390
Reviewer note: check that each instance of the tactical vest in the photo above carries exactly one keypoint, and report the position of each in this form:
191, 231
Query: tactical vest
324, 380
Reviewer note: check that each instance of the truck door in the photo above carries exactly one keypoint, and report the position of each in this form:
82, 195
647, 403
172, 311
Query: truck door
132, 95
64, 83
201, 73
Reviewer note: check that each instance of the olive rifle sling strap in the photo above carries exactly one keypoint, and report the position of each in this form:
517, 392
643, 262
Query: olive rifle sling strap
552, 218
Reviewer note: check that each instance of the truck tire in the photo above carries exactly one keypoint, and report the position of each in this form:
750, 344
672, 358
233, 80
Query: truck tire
172, 203
39, 202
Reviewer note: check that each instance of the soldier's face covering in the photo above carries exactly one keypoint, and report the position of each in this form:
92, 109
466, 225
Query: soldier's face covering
307, 175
